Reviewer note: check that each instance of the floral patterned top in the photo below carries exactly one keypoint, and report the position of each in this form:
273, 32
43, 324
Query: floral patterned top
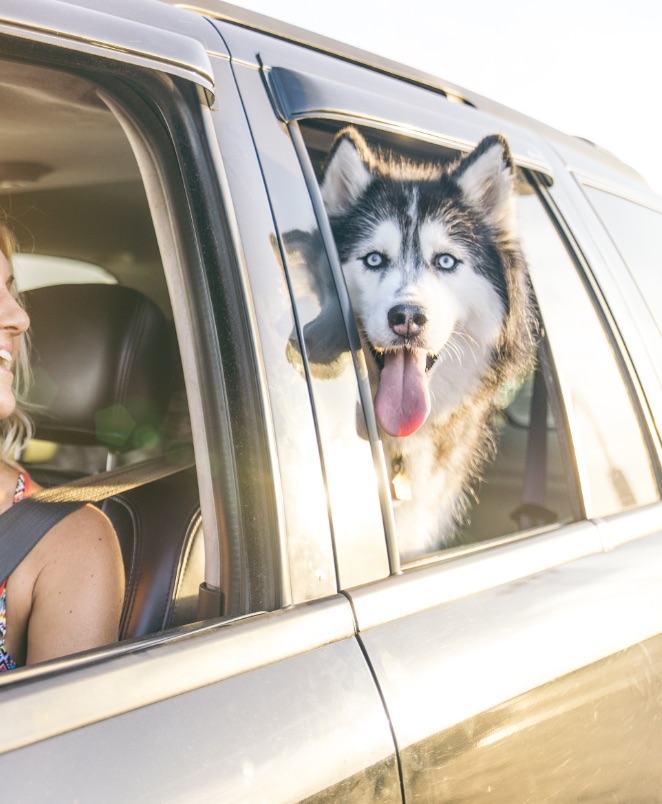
6, 661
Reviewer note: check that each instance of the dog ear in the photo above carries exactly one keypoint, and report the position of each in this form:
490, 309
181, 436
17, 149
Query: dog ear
347, 172
486, 178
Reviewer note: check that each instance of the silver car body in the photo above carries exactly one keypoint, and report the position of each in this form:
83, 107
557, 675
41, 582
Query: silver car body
526, 667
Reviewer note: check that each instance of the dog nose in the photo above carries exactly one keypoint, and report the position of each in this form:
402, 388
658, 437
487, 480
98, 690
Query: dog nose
407, 320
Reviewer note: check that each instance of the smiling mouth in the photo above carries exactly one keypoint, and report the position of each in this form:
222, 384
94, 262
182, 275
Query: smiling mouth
5, 359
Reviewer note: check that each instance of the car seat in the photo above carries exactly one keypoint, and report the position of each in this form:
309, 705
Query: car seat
107, 379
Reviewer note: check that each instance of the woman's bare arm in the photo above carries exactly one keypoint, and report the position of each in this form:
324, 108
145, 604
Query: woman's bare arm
78, 592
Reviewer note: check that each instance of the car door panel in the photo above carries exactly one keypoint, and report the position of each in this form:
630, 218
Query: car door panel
230, 711
514, 670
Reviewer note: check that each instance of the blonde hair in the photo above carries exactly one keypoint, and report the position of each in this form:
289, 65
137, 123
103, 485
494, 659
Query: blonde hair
16, 430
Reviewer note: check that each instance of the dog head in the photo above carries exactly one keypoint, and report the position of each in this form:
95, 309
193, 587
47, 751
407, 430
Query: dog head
433, 271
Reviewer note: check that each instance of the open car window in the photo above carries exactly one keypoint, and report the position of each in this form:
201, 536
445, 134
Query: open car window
108, 384
548, 461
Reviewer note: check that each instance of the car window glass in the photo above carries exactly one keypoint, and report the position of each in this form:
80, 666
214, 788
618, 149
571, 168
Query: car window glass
607, 439
637, 233
348, 464
79, 215
504, 504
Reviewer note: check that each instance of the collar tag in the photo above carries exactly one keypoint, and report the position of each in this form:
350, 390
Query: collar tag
400, 486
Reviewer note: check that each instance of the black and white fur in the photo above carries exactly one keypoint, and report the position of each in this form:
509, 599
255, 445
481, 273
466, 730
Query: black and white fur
440, 292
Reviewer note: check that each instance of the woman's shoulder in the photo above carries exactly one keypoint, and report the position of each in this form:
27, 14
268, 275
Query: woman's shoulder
83, 540
69, 587
86, 535
85, 526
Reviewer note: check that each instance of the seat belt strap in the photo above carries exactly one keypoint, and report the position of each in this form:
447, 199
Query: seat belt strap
23, 525
532, 511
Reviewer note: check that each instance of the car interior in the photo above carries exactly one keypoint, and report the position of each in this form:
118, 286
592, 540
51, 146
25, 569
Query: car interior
107, 387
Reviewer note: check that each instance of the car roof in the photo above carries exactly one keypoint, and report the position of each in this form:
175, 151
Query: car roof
580, 155
175, 18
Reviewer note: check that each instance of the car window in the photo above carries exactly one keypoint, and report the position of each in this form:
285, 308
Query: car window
83, 217
108, 382
609, 446
500, 503
637, 233
588, 454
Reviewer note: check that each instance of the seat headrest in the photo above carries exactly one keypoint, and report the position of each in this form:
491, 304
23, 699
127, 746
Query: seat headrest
104, 359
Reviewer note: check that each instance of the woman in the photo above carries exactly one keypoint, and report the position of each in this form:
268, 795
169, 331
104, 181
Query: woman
66, 595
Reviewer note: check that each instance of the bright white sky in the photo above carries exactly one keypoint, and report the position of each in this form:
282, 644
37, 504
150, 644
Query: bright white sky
587, 67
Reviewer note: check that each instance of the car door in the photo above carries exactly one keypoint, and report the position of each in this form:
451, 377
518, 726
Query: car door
268, 696
514, 666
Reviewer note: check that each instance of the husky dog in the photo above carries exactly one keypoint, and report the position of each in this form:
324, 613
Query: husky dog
440, 292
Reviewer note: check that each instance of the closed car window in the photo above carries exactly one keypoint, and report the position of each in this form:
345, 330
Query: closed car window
611, 454
637, 233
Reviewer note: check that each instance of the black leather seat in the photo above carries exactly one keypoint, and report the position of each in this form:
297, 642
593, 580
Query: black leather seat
106, 375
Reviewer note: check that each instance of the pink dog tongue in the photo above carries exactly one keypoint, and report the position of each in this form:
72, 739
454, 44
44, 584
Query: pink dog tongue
402, 401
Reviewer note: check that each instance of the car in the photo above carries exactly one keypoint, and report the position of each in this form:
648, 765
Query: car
158, 164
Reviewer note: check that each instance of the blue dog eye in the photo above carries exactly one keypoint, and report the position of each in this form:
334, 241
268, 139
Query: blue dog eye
446, 262
374, 260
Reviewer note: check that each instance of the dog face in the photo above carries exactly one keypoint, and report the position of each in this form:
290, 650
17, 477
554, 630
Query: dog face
421, 250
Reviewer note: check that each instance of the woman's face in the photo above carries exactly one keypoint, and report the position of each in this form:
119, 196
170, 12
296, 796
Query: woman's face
13, 322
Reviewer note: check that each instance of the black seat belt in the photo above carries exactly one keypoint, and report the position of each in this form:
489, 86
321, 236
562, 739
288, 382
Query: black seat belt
23, 525
532, 511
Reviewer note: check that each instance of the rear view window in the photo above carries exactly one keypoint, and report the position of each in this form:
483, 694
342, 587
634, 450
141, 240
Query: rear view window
39, 270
